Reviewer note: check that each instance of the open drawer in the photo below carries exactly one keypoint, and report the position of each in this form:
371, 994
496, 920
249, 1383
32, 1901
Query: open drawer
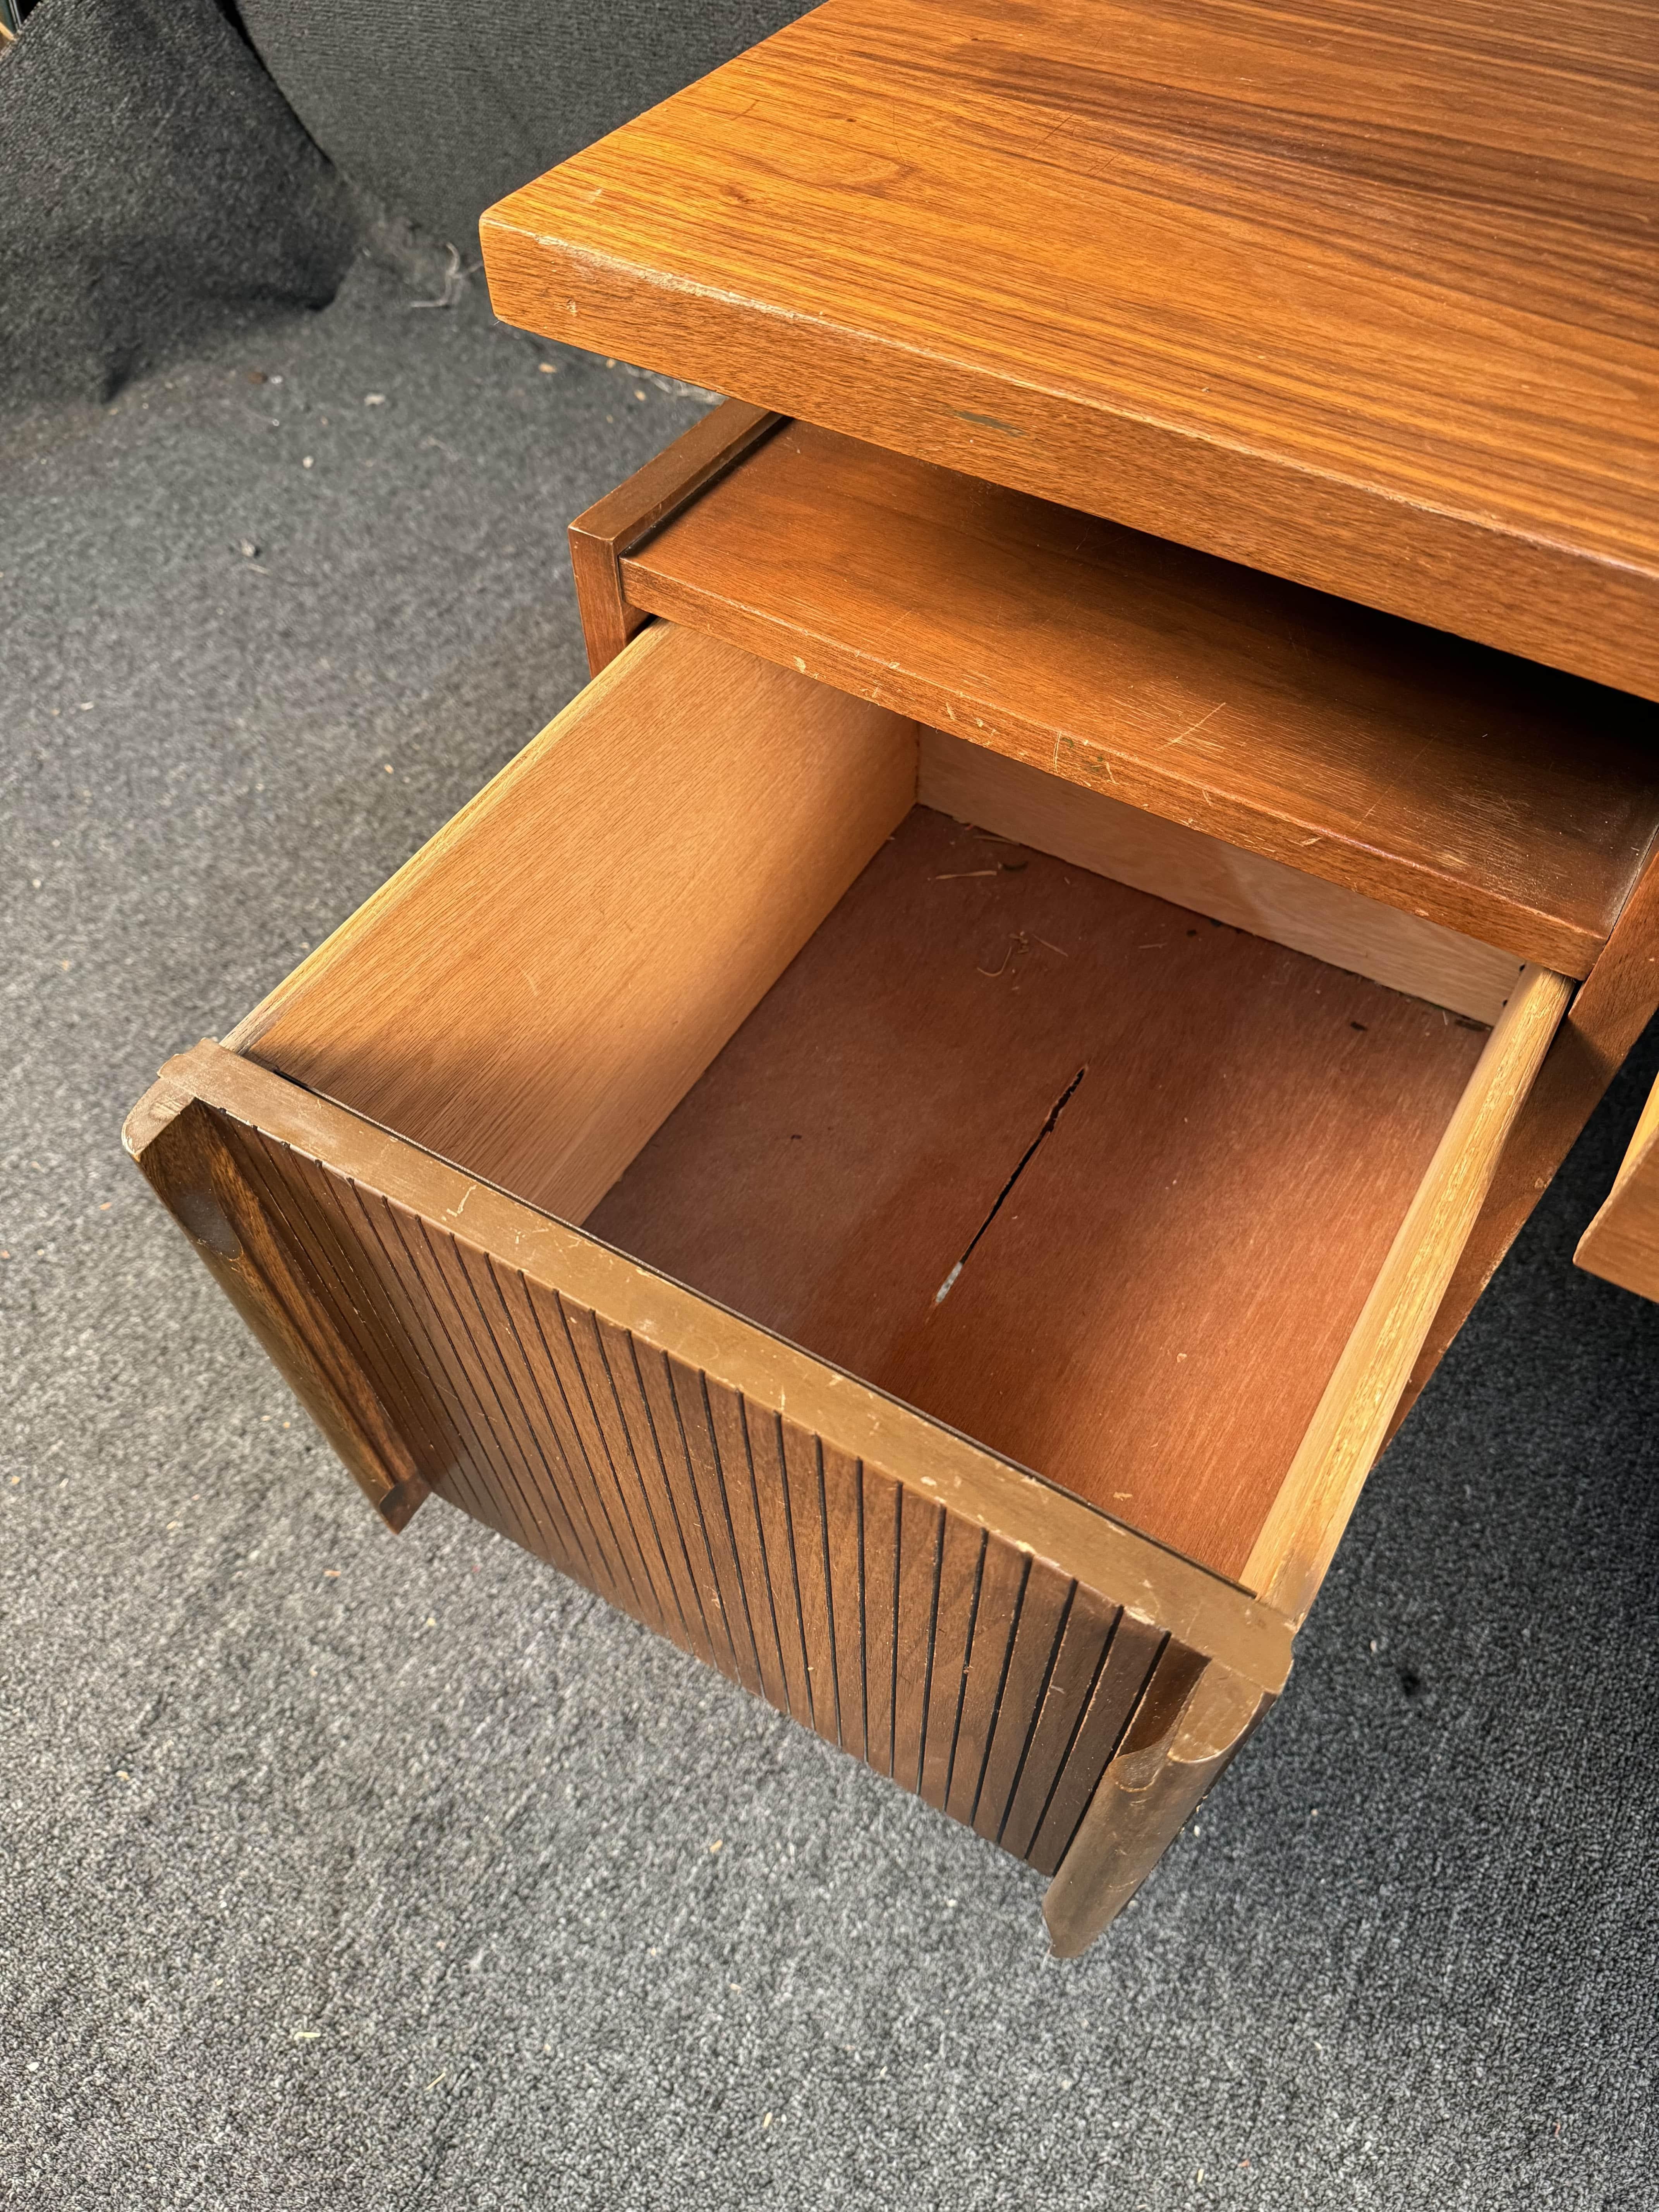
763, 1157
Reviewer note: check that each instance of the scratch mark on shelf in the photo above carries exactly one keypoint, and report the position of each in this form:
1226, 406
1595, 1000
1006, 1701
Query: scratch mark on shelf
1199, 724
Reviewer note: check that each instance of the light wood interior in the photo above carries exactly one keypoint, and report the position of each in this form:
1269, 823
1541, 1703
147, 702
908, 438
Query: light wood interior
544, 980
1301, 1534
1103, 1182
972, 783
1622, 1243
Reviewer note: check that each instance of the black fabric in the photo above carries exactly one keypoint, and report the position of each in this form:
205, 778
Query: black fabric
438, 112
157, 185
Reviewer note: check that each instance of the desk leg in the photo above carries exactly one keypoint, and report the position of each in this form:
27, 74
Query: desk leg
1191, 1719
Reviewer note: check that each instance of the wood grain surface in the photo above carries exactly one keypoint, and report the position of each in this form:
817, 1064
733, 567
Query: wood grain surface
1190, 1721
1151, 1312
614, 525
705, 1345
1608, 1015
1301, 1534
538, 986
974, 1633
1622, 1243
972, 783
1364, 295
322, 1329
1445, 779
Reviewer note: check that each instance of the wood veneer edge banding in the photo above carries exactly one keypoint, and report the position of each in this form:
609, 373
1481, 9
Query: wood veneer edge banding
624, 519
1300, 1536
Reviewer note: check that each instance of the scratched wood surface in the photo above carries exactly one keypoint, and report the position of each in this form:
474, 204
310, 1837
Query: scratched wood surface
1150, 1312
1445, 779
1363, 295
1407, 952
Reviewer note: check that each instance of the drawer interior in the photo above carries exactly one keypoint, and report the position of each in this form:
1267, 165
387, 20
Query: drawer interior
1099, 1181
831, 1020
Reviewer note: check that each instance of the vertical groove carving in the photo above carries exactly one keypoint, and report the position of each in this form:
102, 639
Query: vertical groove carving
1001, 1596
696, 1436
957, 1578
483, 1348
712, 1420
842, 1503
583, 1496
662, 1437
1065, 1695
340, 1287
1037, 1639
563, 1494
803, 1483
973, 1672
918, 1528
879, 1566
759, 1429
1126, 1666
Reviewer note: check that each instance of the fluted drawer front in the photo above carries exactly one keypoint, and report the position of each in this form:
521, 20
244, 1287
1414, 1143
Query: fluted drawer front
849, 1587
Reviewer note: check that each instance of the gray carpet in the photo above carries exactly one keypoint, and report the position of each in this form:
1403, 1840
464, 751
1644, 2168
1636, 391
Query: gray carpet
346, 1870
438, 112
154, 184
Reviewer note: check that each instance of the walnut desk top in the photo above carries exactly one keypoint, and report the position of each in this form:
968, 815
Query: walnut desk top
1359, 292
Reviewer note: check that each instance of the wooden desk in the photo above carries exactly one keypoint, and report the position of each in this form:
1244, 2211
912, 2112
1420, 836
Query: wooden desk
920, 1137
